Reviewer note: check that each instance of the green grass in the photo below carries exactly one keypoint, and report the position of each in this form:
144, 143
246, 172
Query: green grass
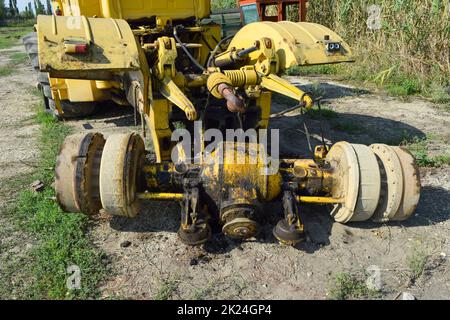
167, 289
204, 292
10, 36
312, 70
416, 262
6, 70
347, 286
440, 94
419, 148
61, 237
407, 54
18, 58
326, 113
403, 87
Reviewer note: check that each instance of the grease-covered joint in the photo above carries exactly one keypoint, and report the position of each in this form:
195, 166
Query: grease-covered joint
234, 103
221, 87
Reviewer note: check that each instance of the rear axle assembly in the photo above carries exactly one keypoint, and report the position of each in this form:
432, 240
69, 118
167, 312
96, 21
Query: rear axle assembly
359, 183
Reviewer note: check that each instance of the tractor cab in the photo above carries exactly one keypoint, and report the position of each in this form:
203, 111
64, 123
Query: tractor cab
272, 10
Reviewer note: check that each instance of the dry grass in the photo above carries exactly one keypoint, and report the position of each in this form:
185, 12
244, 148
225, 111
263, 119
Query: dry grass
411, 48
408, 55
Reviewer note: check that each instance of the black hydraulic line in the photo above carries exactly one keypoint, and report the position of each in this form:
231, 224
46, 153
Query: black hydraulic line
183, 46
218, 46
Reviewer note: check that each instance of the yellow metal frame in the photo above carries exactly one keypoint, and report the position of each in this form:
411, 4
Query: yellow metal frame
81, 78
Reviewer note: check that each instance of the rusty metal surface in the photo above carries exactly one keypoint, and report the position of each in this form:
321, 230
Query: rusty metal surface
241, 228
64, 173
411, 185
111, 46
88, 174
77, 173
391, 183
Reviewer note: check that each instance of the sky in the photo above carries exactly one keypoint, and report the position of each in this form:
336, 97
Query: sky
21, 4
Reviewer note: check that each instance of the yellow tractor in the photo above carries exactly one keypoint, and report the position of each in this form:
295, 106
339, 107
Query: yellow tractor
168, 61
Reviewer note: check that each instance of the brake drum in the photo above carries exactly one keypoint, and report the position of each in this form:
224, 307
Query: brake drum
411, 185
122, 159
342, 158
77, 173
369, 183
391, 182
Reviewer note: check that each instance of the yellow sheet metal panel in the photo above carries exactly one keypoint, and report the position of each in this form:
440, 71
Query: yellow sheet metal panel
300, 43
111, 46
85, 91
88, 8
139, 9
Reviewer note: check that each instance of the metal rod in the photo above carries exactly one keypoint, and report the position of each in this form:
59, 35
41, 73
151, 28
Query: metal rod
161, 196
319, 200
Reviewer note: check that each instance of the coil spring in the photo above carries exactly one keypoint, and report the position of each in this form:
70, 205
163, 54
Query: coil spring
237, 77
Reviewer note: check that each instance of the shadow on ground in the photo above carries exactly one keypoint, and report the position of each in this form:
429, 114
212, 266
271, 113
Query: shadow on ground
354, 128
328, 90
157, 217
111, 113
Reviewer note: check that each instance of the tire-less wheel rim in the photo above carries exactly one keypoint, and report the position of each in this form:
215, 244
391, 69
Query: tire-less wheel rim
77, 173
369, 184
411, 185
342, 158
122, 160
392, 183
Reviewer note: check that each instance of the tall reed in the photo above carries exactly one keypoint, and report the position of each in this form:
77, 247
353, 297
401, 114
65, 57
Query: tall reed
413, 41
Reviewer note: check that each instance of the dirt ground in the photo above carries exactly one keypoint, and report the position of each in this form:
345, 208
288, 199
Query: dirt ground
18, 147
148, 261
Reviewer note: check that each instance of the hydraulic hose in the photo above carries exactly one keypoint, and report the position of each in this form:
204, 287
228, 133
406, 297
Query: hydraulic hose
213, 53
182, 45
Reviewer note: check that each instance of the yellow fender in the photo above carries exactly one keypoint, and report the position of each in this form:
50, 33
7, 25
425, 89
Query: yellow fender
301, 43
110, 47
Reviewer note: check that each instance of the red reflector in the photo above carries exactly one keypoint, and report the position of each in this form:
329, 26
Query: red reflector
81, 48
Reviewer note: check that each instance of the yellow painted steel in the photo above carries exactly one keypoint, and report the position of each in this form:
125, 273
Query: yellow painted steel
275, 83
264, 103
319, 200
238, 165
72, 70
139, 9
248, 76
160, 129
112, 47
161, 196
115, 51
301, 43
165, 70
81, 90
136, 9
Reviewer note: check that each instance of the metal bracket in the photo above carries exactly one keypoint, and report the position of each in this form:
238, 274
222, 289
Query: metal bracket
290, 230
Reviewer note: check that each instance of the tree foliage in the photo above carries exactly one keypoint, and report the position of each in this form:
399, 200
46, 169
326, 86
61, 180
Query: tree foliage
223, 4
49, 7
39, 8
2, 9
